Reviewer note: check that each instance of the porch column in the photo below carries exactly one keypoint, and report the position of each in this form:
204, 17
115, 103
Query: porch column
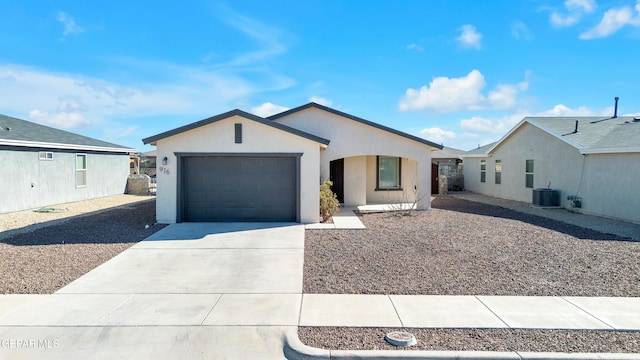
424, 181
355, 180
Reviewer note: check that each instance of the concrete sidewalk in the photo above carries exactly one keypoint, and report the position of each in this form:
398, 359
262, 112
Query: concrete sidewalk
427, 311
190, 291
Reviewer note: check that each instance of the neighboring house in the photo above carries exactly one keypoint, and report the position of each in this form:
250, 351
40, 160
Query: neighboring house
241, 167
143, 163
594, 163
447, 162
43, 166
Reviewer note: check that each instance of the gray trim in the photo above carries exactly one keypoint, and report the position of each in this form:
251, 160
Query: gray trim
179, 174
355, 118
227, 115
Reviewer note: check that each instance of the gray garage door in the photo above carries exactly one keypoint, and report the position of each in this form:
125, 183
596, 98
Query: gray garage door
239, 188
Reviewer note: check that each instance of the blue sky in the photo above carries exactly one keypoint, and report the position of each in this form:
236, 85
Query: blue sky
461, 73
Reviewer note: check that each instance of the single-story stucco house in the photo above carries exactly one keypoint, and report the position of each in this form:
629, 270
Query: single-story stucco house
447, 162
43, 166
593, 163
241, 167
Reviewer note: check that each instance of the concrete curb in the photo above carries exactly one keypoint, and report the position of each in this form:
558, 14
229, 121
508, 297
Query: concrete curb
294, 349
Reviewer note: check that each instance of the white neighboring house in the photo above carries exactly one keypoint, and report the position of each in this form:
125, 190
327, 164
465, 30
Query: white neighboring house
238, 166
44, 166
594, 163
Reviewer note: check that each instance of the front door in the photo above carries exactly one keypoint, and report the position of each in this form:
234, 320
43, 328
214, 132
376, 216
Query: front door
434, 179
336, 175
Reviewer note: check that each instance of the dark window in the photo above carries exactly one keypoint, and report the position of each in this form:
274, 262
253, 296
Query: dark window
238, 133
483, 170
529, 173
388, 175
498, 171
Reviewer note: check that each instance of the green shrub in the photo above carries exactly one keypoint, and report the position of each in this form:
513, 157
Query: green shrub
329, 203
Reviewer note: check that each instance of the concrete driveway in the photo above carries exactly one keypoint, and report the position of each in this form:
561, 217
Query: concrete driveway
192, 290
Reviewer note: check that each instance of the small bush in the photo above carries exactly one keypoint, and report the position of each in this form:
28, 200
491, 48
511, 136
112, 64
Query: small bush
329, 204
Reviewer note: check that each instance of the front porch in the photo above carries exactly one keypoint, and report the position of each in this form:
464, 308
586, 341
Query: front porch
370, 180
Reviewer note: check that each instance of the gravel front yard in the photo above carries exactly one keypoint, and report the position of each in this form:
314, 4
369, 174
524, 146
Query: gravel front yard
44, 260
466, 248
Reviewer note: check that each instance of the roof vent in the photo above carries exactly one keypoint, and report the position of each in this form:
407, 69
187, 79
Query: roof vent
615, 108
575, 131
636, 119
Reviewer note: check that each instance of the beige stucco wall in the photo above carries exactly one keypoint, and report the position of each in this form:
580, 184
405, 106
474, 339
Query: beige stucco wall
350, 138
409, 184
355, 180
611, 186
554, 161
219, 137
608, 187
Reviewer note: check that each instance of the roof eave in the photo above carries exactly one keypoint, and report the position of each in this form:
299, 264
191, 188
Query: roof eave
611, 151
46, 145
358, 119
152, 140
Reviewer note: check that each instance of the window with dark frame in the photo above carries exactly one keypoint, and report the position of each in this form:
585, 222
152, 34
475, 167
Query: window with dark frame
483, 170
498, 170
529, 173
388, 173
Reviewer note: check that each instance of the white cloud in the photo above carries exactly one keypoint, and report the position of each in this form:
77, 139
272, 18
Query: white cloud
461, 94
72, 100
559, 20
437, 134
612, 21
269, 38
562, 110
321, 101
581, 5
482, 125
268, 109
415, 47
63, 120
469, 37
576, 10
520, 31
70, 26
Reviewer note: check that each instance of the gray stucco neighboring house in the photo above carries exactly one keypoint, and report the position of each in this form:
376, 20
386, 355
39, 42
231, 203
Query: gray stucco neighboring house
238, 166
43, 166
592, 162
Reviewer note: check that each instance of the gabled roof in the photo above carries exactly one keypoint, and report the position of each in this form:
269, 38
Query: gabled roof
153, 139
447, 153
355, 118
595, 134
481, 151
22, 133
